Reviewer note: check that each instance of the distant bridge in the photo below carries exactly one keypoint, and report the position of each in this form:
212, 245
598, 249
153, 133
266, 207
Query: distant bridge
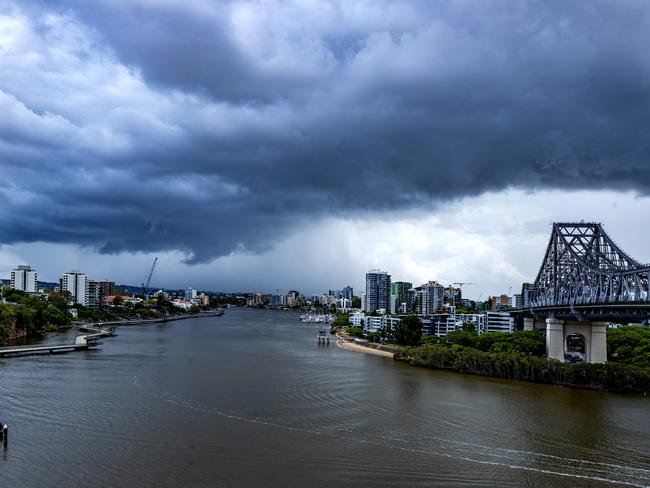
585, 281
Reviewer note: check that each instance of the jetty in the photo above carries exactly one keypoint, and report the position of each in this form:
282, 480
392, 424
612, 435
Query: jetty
96, 331
323, 337
81, 343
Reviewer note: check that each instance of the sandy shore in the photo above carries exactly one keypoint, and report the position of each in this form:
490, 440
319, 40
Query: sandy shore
350, 345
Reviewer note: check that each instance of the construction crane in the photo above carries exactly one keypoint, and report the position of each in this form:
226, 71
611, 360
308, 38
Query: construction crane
460, 284
145, 287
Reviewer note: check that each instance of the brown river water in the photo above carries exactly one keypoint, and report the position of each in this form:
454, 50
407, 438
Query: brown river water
250, 399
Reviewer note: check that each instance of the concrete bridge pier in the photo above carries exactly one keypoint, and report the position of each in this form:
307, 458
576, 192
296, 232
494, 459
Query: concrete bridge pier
598, 342
555, 339
593, 333
529, 323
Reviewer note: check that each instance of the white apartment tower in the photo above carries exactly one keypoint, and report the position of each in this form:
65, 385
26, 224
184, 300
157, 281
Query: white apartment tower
24, 278
77, 284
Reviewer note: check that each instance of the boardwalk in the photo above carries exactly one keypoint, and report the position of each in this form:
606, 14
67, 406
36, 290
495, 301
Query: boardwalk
81, 343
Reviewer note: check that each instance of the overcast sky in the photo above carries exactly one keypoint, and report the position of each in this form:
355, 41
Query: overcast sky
262, 145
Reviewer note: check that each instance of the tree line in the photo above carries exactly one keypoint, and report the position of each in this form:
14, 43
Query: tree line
520, 356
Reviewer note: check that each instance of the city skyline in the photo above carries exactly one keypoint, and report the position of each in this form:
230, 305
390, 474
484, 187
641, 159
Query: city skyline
340, 143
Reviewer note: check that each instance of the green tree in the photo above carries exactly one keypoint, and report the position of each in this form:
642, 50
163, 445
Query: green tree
356, 302
341, 322
462, 338
355, 331
55, 316
374, 337
629, 345
7, 320
469, 327
408, 331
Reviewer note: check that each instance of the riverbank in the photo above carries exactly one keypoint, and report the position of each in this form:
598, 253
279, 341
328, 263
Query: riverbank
349, 343
613, 377
157, 320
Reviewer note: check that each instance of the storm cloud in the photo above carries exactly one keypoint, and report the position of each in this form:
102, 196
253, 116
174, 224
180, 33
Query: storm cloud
214, 128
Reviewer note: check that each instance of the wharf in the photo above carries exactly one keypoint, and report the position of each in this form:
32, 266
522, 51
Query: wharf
97, 332
81, 343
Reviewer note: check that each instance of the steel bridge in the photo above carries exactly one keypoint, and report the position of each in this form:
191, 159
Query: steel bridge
584, 282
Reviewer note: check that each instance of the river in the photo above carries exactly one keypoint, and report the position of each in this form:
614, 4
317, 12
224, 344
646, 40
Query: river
250, 399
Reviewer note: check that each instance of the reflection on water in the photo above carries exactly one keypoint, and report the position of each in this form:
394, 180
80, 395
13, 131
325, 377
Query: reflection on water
250, 399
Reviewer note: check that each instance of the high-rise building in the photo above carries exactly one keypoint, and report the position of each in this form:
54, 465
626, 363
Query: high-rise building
76, 283
400, 290
190, 293
94, 294
347, 293
276, 300
24, 278
293, 297
426, 299
98, 291
526, 293
107, 288
377, 291
453, 296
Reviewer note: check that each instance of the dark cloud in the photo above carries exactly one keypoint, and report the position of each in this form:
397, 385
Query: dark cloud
214, 128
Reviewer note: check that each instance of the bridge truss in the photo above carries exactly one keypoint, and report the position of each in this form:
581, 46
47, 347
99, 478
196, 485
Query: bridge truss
583, 266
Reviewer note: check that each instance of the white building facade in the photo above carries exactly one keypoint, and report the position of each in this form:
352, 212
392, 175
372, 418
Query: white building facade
371, 323
24, 278
500, 322
76, 283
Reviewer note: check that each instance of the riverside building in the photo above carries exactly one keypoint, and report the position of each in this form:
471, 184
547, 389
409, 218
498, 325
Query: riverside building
347, 293
371, 324
399, 290
500, 322
24, 278
377, 291
76, 283
426, 299
98, 291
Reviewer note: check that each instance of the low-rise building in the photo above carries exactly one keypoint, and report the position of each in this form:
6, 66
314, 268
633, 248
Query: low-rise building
343, 304
373, 323
479, 320
183, 303
499, 322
